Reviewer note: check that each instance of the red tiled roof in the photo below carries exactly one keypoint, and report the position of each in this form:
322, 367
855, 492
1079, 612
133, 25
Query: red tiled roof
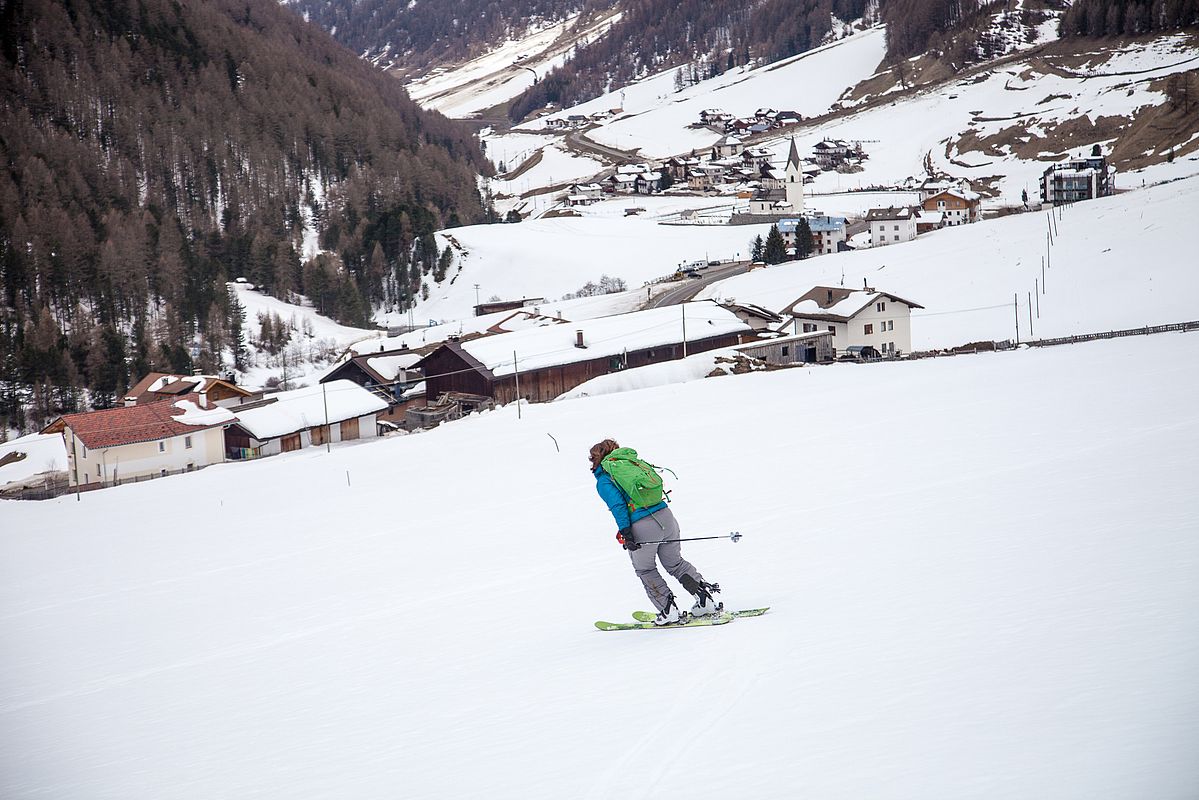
132, 424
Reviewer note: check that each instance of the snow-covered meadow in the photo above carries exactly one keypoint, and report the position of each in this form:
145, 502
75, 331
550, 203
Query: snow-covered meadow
1117, 262
983, 574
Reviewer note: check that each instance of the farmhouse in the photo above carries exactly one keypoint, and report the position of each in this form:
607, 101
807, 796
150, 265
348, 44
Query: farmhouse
855, 317
934, 186
539, 364
958, 206
158, 386
136, 442
337, 411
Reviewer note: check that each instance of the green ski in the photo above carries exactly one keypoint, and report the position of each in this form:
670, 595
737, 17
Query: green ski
690, 622
648, 616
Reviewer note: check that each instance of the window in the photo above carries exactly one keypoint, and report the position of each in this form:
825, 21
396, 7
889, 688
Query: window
187, 442
880, 306
890, 324
896, 227
162, 447
98, 475
809, 327
869, 330
785, 350
832, 328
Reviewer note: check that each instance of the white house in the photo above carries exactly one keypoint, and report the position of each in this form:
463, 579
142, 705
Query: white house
336, 411
855, 317
892, 225
141, 441
827, 233
726, 147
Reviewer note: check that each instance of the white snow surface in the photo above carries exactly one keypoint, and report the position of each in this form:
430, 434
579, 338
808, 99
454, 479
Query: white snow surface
553, 257
44, 452
1116, 262
986, 589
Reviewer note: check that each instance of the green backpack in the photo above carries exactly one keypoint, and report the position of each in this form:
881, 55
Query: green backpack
636, 478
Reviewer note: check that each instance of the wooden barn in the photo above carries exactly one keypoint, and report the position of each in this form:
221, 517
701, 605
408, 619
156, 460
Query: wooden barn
539, 364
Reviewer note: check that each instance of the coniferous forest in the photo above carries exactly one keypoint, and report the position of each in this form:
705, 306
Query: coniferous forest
153, 150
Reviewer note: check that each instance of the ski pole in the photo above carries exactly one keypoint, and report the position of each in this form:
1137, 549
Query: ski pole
736, 537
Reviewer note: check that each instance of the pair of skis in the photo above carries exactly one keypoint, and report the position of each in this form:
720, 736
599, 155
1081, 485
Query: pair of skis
645, 620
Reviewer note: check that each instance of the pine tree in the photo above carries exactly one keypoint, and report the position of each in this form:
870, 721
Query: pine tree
803, 238
775, 251
756, 248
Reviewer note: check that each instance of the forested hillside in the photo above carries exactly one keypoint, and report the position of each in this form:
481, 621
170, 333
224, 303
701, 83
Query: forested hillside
705, 37
1128, 17
428, 31
153, 150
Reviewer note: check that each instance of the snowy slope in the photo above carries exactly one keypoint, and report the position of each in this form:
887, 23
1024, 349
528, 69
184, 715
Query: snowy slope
656, 117
982, 571
553, 257
1019, 100
1117, 262
1109, 265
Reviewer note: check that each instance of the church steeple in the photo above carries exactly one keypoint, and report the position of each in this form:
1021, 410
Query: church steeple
794, 178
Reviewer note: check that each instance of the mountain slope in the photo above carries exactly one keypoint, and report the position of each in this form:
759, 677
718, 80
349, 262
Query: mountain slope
153, 150
982, 588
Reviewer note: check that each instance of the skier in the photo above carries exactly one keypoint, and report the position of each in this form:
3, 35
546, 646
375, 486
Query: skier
653, 524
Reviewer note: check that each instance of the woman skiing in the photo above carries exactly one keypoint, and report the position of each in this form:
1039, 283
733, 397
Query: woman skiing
651, 534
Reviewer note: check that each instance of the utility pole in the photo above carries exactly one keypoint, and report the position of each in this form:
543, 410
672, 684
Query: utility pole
683, 306
1016, 309
516, 371
328, 433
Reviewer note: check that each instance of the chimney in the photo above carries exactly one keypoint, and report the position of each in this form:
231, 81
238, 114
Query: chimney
579, 339
203, 401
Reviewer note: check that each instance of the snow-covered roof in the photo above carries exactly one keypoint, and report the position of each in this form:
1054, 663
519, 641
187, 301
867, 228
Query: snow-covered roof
389, 366
298, 409
845, 305
545, 347
891, 213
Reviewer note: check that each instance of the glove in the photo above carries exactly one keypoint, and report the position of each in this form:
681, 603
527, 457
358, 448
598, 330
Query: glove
625, 537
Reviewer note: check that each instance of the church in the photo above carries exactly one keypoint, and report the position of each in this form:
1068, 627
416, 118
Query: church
787, 198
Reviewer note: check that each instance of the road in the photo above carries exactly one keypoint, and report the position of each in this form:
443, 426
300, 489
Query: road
688, 288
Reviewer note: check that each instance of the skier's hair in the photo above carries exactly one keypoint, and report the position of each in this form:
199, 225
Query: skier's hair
600, 450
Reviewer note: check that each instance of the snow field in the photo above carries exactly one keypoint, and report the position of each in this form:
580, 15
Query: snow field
1117, 262
982, 587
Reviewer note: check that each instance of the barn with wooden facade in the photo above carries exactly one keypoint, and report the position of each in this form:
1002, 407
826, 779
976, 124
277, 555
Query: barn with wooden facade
314, 415
540, 364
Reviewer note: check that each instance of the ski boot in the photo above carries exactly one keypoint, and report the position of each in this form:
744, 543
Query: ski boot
705, 603
670, 614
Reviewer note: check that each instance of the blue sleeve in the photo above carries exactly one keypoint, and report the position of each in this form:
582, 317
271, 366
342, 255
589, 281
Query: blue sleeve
614, 498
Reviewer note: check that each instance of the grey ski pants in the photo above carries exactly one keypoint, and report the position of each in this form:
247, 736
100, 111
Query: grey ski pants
659, 525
